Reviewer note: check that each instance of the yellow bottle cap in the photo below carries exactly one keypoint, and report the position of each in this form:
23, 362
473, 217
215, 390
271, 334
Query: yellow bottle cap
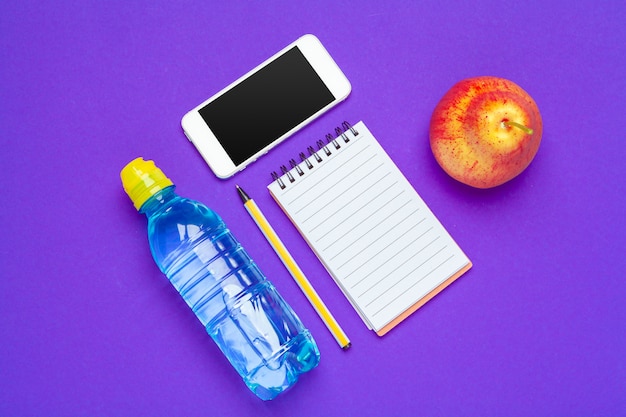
143, 179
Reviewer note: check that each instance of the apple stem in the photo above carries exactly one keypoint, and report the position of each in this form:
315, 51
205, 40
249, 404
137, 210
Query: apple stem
526, 129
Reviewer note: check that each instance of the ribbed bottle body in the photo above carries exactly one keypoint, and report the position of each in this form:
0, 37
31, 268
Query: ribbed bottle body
251, 323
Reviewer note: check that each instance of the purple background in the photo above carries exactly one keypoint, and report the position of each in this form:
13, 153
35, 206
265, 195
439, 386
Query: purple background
88, 324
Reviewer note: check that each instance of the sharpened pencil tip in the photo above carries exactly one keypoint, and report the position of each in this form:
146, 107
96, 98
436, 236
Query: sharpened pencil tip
242, 194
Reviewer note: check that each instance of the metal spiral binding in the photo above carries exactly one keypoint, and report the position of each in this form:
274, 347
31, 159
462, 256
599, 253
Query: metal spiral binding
285, 171
276, 178
313, 153
347, 126
340, 133
304, 159
295, 165
322, 146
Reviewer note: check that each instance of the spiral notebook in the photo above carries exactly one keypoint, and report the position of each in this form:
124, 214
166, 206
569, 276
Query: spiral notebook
383, 246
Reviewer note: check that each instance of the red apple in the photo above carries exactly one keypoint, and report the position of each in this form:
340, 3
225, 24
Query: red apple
485, 131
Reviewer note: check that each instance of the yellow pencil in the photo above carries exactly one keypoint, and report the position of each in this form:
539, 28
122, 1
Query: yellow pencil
294, 270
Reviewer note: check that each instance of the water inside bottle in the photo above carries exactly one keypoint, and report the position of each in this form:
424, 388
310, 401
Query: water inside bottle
255, 329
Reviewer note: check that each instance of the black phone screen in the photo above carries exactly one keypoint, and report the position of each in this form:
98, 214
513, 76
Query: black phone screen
266, 105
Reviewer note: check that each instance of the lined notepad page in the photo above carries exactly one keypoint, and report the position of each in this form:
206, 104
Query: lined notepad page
374, 234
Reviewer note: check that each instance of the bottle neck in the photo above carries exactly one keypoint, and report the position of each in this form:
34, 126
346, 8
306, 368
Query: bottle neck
158, 201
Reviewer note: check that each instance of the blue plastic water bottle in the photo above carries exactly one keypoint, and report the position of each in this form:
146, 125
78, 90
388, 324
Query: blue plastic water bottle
251, 323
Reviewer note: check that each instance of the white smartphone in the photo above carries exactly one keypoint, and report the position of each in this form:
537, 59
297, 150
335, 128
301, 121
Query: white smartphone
265, 106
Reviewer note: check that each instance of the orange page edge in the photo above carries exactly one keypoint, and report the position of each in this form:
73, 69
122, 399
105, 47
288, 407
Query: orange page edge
423, 301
